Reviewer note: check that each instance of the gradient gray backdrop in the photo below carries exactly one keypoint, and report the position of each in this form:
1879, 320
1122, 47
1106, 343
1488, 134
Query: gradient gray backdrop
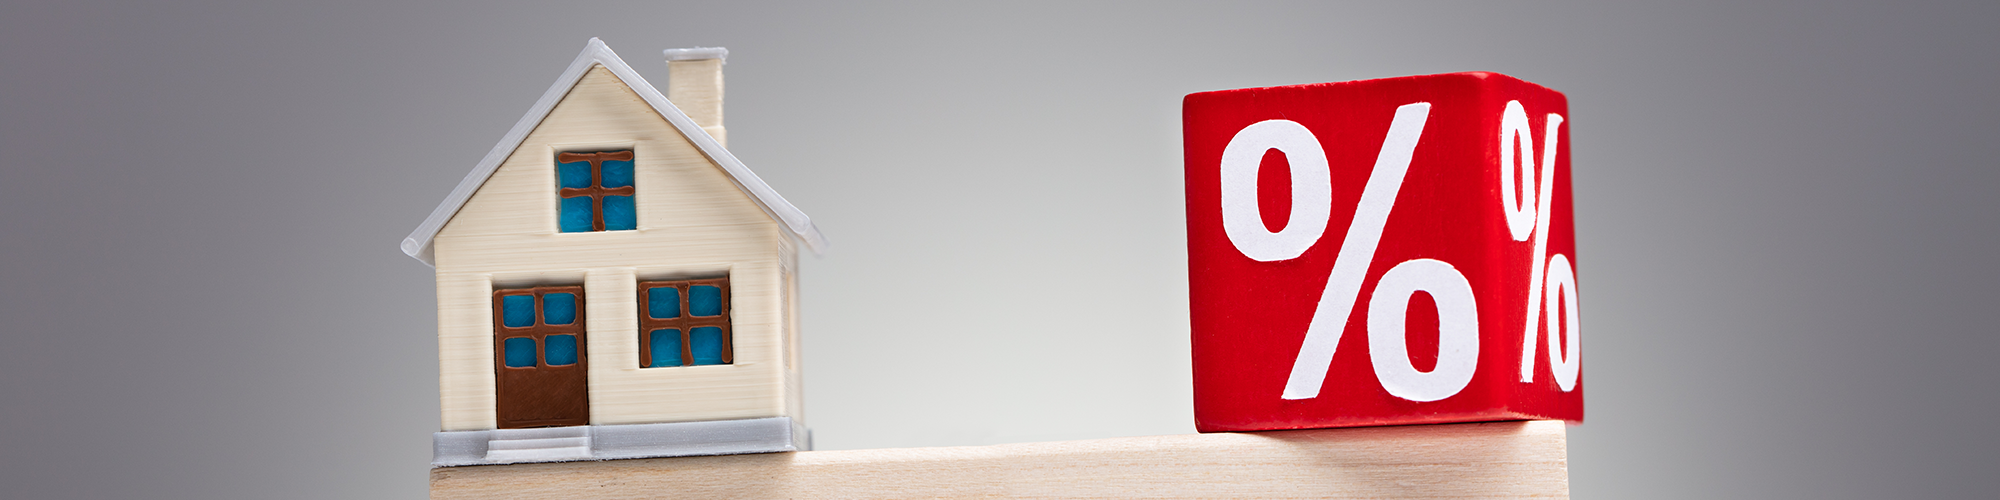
1785, 221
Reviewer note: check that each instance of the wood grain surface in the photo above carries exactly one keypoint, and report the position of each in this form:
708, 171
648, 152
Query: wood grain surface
1483, 460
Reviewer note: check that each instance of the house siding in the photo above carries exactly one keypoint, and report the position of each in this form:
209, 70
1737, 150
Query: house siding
693, 221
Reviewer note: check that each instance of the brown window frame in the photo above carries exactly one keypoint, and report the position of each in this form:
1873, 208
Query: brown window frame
596, 191
686, 322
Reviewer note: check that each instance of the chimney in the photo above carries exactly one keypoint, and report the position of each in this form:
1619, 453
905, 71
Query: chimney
694, 83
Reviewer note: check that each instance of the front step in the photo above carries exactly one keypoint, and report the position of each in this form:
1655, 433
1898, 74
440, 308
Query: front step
547, 444
541, 433
532, 444
612, 442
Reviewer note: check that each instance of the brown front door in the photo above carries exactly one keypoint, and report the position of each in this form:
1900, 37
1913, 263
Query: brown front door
538, 357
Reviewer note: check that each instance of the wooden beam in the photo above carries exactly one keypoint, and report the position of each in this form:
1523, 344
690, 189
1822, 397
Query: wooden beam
1483, 460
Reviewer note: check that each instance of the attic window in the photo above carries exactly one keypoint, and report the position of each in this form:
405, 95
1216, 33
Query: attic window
684, 323
595, 191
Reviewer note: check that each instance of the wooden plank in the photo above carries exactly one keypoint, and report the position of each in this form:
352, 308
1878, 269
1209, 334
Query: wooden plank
1483, 460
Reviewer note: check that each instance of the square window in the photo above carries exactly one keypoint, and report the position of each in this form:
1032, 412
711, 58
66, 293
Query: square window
620, 214
595, 191
617, 173
704, 300
520, 352
576, 215
559, 309
538, 327
666, 348
517, 311
574, 175
706, 343
685, 323
663, 303
559, 350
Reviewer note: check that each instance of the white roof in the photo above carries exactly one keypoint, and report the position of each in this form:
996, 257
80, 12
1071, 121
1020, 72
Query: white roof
418, 244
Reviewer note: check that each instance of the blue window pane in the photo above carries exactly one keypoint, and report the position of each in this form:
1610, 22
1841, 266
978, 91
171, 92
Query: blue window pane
517, 310
559, 308
574, 174
663, 303
520, 352
559, 350
617, 173
704, 300
575, 217
619, 214
706, 342
666, 347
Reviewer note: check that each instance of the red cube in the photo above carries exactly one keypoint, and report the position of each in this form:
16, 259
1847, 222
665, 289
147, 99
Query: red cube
1381, 252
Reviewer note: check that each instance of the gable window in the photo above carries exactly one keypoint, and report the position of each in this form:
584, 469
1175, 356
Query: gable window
684, 323
595, 192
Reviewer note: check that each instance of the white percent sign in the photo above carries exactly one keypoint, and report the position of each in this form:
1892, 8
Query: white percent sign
1527, 215
1312, 198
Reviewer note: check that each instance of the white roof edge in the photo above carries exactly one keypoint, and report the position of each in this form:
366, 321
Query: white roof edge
419, 243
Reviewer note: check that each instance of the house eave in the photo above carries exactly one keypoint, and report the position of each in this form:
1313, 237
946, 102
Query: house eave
419, 244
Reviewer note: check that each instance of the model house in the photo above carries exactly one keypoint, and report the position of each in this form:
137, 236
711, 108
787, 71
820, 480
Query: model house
613, 283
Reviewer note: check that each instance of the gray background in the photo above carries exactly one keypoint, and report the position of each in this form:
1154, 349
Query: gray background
1785, 221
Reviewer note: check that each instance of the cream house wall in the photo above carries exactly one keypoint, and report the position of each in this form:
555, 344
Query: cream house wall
789, 293
692, 222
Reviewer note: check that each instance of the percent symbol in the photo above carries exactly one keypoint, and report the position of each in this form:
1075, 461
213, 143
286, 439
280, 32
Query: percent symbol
1551, 282
1458, 317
